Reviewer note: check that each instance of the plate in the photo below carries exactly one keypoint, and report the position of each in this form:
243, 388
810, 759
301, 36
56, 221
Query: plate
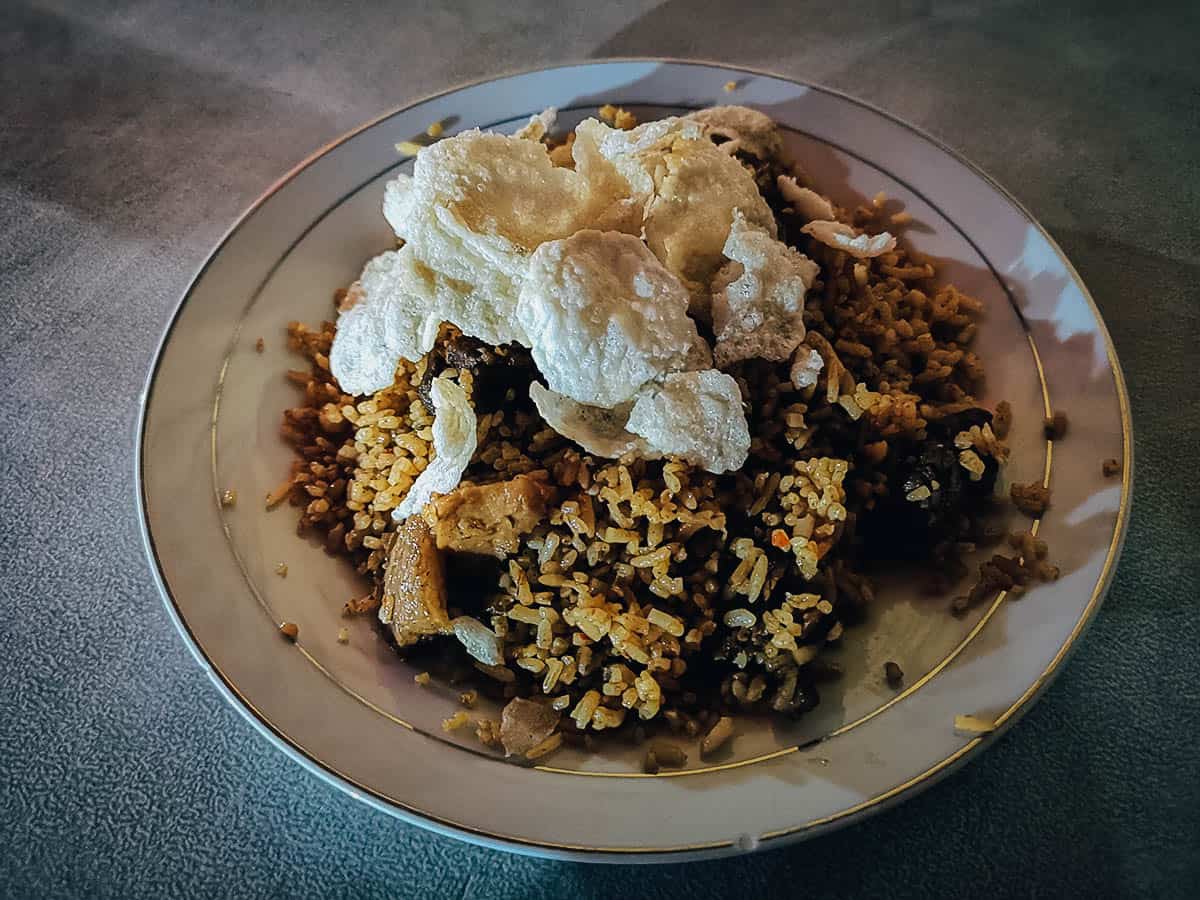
351, 712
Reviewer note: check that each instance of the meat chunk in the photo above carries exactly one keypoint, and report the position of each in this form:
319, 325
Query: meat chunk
496, 370
524, 724
929, 491
414, 585
489, 518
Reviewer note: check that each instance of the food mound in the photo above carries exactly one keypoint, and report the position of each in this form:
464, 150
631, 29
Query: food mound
619, 427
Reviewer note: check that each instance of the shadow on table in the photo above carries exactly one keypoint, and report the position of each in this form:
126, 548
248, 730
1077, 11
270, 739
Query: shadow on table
684, 28
123, 134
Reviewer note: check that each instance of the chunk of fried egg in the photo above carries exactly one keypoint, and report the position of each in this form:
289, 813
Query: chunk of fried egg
696, 416
604, 317
758, 297
454, 441
395, 316
841, 236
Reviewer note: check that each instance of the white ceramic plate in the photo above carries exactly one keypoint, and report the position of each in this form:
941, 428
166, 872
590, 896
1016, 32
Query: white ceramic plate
352, 714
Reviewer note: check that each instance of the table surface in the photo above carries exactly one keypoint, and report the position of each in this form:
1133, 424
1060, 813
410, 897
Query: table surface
131, 136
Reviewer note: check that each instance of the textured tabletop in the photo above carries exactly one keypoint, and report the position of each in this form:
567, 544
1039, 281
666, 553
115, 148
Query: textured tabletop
130, 138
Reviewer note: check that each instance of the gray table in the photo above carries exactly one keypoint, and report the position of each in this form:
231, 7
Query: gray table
130, 137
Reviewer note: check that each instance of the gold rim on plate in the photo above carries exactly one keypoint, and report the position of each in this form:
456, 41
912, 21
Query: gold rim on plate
923, 779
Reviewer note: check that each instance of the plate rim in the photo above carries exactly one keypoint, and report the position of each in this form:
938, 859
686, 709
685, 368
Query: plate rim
868, 807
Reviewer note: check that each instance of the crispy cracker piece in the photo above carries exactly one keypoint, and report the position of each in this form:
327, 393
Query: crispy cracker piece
758, 297
454, 442
696, 416
743, 130
688, 221
539, 125
806, 367
605, 317
841, 236
597, 430
687, 188
389, 314
807, 203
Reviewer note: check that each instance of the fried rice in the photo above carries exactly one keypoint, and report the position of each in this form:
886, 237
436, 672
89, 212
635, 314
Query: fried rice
653, 594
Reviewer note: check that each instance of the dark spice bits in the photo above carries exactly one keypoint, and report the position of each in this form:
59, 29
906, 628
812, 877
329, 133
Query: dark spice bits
1055, 427
894, 674
1031, 499
1002, 420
